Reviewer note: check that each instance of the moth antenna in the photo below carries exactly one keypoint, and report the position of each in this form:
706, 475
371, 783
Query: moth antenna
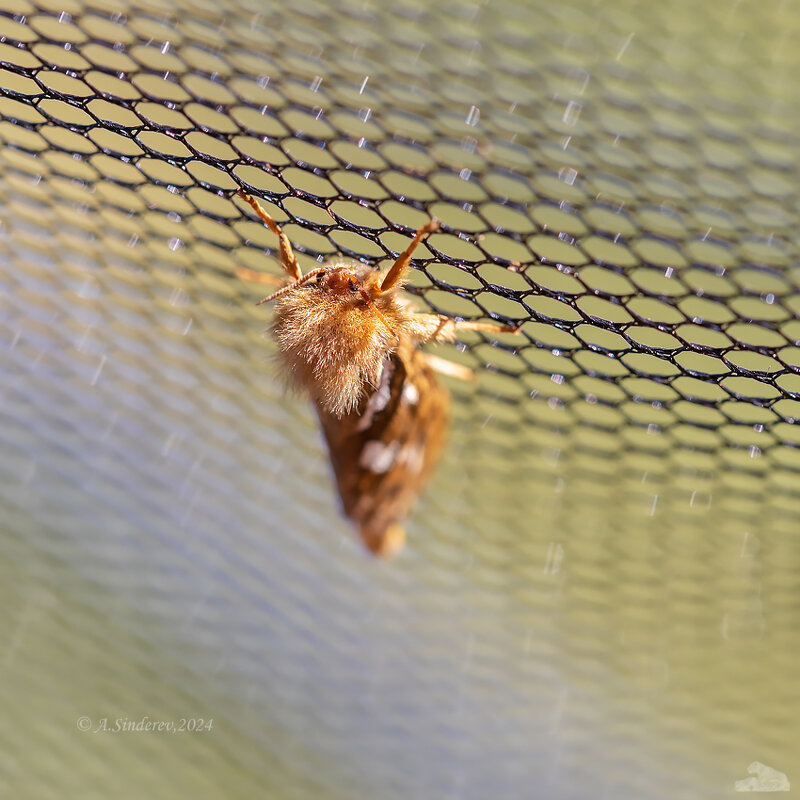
293, 285
399, 266
368, 301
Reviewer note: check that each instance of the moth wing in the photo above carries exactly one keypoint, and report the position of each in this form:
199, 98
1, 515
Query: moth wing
383, 451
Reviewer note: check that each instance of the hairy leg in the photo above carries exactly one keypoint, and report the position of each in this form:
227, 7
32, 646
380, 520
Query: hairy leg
449, 368
437, 328
251, 276
288, 259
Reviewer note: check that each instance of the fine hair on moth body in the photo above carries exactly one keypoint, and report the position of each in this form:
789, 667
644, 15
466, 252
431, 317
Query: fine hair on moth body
348, 338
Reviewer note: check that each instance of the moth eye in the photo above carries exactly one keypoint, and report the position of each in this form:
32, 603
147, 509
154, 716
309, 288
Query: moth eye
318, 279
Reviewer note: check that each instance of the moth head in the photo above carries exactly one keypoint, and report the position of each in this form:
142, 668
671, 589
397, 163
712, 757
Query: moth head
340, 281
337, 281
344, 281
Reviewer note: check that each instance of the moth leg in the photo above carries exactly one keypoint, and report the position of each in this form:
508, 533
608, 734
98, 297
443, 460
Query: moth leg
399, 267
252, 276
288, 259
437, 328
449, 368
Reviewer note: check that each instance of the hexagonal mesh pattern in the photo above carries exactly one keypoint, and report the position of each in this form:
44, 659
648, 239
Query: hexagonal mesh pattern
600, 591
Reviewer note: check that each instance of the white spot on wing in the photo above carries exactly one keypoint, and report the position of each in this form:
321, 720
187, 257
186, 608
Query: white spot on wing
379, 399
413, 456
410, 393
378, 457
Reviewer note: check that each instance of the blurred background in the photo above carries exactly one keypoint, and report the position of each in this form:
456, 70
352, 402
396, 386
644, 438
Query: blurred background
599, 597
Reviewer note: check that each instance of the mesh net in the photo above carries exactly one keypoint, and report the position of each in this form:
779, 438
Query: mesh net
600, 592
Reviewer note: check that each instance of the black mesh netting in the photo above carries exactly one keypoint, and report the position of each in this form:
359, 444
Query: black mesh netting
600, 592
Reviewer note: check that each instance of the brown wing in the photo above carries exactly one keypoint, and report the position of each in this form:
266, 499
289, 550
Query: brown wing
384, 450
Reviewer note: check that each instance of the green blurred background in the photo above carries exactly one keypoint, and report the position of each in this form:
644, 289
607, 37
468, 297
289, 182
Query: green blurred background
599, 597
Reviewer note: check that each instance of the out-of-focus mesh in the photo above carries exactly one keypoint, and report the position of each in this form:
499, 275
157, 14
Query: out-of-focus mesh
600, 593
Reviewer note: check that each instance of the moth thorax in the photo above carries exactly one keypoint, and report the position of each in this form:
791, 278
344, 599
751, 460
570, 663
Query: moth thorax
331, 345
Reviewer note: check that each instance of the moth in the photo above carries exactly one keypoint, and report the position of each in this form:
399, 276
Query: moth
350, 340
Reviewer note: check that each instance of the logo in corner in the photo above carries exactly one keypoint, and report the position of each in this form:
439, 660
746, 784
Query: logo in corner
762, 779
